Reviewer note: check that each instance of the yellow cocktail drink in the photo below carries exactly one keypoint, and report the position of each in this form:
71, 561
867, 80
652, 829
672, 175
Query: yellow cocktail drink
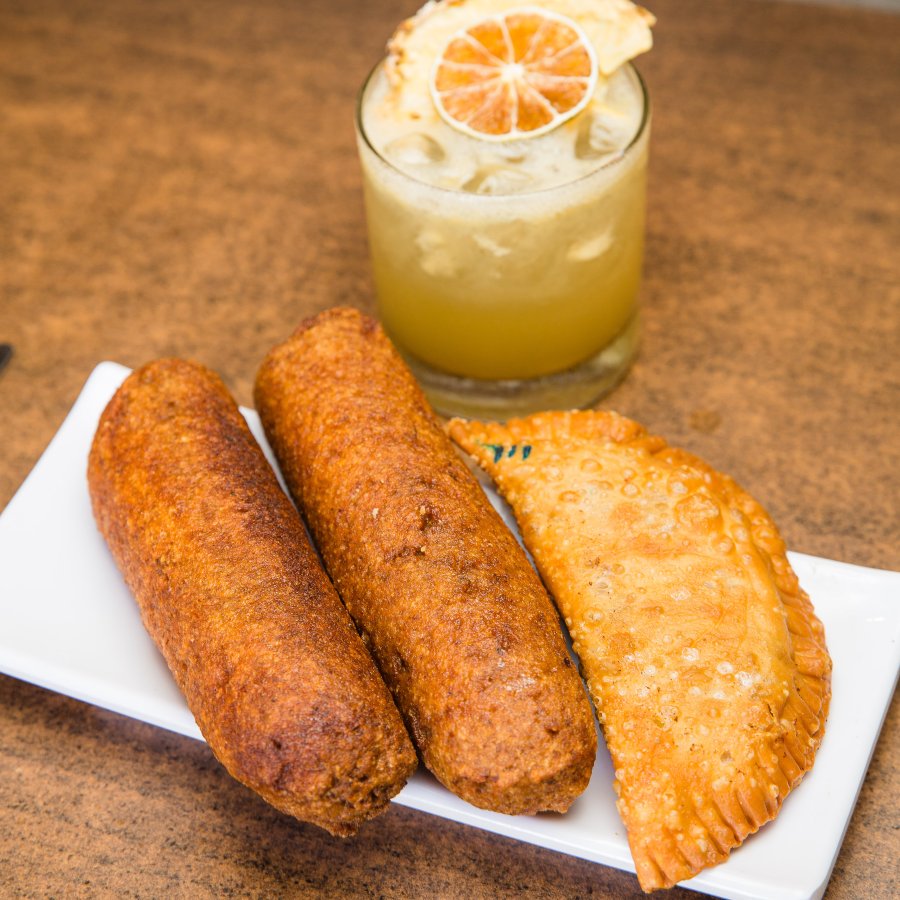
507, 272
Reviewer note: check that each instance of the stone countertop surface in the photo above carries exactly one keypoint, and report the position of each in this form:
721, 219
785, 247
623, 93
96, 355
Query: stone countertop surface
181, 179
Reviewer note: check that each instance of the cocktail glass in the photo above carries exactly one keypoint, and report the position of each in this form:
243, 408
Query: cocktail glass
504, 303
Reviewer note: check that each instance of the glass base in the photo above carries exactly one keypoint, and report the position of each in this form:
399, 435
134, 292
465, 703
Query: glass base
576, 388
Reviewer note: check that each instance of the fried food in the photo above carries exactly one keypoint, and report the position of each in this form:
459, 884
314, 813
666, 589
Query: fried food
704, 657
235, 598
457, 620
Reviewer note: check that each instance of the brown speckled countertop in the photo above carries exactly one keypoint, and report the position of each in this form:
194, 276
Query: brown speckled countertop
181, 179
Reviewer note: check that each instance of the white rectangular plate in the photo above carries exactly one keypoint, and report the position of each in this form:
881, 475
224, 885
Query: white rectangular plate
68, 623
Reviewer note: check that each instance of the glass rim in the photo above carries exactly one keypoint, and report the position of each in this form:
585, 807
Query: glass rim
457, 192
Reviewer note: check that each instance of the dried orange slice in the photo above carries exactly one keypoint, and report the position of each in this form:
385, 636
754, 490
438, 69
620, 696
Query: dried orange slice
513, 75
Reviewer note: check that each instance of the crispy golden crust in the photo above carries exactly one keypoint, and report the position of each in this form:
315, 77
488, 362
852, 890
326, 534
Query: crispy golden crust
705, 659
458, 621
233, 595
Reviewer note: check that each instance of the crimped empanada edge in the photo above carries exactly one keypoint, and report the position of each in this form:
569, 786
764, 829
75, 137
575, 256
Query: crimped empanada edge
742, 807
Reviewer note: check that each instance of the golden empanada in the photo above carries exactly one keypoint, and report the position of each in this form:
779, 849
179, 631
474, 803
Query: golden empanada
704, 657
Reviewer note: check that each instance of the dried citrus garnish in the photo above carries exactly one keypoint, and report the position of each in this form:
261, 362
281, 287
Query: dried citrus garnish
513, 75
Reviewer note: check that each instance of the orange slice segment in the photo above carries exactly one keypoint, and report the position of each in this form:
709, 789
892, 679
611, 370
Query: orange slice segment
514, 75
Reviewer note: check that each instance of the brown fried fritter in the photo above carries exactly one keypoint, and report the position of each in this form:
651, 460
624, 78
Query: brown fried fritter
234, 596
457, 620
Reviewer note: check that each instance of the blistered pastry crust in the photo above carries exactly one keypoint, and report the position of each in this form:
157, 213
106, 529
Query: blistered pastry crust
703, 654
